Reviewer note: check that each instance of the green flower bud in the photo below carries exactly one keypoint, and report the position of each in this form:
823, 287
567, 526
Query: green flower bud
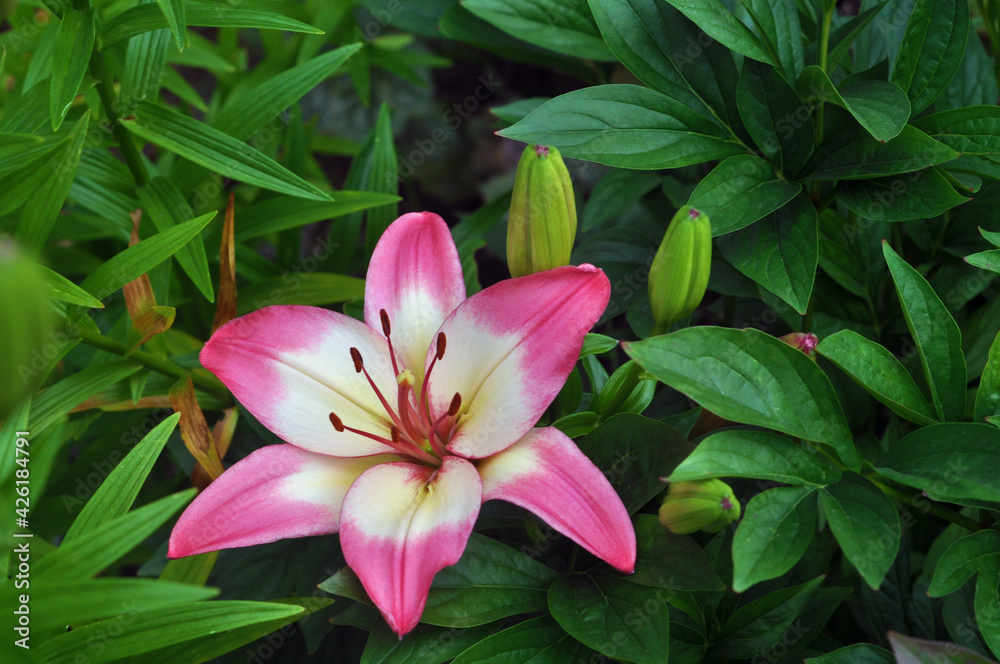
542, 224
25, 325
678, 276
707, 505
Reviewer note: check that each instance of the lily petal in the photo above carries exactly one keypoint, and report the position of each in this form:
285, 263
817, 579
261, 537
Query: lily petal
510, 348
276, 492
290, 366
401, 524
546, 473
416, 276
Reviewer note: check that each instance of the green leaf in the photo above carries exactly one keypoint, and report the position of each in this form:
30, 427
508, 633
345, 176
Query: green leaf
142, 257
780, 252
563, 26
145, 57
614, 193
597, 344
174, 13
74, 45
775, 116
119, 489
950, 462
278, 214
165, 205
865, 523
739, 191
986, 260
627, 126
425, 644
71, 391
778, 22
634, 452
536, 641
491, 581
936, 335
755, 455
988, 392
666, 560
64, 290
859, 653
910, 650
144, 18
975, 83
212, 149
881, 107
932, 50
920, 195
56, 173
773, 535
971, 554
850, 154
76, 603
750, 377
142, 632
614, 617
719, 24
762, 624
844, 36
877, 370
971, 130
300, 287
95, 550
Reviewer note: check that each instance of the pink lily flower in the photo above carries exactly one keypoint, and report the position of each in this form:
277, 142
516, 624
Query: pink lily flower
399, 428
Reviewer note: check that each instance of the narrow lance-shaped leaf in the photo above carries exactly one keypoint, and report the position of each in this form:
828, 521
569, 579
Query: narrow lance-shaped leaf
174, 13
74, 44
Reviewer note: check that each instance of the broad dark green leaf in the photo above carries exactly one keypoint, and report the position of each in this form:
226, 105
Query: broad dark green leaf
910, 650
74, 44
666, 560
739, 191
614, 193
971, 130
988, 392
974, 553
754, 455
626, 126
848, 153
426, 644
563, 26
778, 23
144, 18
175, 15
93, 551
848, 32
936, 335
881, 107
780, 252
165, 205
773, 535
865, 523
68, 393
859, 653
986, 260
614, 617
142, 257
879, 372
750, 377
212, 149
931, 50
951, 462
920, 195
975, 83
121, 486
634, 452
761, 624
777, 119
595, 344
299, 286
151, 630
719, 24
537, 641
56, 176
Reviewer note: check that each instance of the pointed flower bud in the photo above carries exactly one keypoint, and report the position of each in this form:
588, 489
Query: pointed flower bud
678, 276
804, 341
542, 224
707, 505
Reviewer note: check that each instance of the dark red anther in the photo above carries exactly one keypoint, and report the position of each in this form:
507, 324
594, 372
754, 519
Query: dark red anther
356, 356
335, 421
456, 404
385, 322
442, 343
394, 434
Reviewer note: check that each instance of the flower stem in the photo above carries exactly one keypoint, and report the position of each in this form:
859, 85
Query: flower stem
938, 511
109, 100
